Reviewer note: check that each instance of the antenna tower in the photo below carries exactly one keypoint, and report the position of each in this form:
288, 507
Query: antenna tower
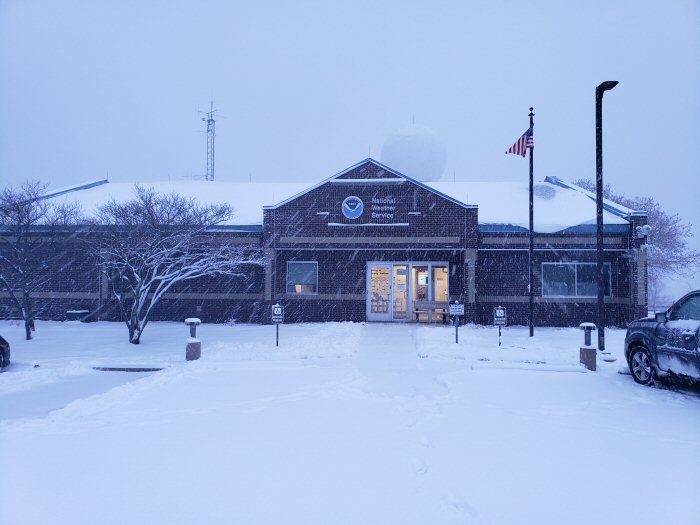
211, 133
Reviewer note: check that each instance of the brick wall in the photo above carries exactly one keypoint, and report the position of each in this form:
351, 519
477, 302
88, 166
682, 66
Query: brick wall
400, 222
486, 269
342, 280
502, 278
75, 283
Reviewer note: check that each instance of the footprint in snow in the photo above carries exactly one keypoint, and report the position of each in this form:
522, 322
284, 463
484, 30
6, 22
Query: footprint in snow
420, 466
460, 505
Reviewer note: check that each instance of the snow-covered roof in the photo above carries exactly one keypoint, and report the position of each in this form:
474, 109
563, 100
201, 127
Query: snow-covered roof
558, 205
246, 198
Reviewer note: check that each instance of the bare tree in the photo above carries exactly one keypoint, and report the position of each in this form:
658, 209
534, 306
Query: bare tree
668, 252
31, 229
154, 241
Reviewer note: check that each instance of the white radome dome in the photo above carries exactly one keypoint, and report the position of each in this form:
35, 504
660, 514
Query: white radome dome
415, 151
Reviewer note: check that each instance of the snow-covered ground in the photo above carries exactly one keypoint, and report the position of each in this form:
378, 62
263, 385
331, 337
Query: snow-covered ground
343, 423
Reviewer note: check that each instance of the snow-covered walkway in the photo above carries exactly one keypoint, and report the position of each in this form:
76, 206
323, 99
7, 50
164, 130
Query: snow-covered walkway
343, 423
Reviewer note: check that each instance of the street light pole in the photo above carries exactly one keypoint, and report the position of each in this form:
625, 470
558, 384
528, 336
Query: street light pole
599, 91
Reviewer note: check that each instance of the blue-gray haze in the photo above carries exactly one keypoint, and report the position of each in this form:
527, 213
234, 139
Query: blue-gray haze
306, 89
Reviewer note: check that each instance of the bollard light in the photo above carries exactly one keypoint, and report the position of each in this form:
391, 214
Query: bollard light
587, 354
193, 322
587, 329
193, 350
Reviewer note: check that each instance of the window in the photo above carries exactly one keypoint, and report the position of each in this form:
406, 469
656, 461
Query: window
440, 290
587, 280
688, 309
302, 277
430, 282
420, 283
558, 280
573, 279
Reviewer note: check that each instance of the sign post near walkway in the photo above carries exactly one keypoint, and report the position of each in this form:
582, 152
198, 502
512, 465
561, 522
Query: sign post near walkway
277, 319
456, 311
500, 318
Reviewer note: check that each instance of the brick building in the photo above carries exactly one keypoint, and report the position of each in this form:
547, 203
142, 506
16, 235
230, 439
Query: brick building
372, 244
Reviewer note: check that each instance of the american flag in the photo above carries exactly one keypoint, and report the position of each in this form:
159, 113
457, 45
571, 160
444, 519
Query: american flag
521, 145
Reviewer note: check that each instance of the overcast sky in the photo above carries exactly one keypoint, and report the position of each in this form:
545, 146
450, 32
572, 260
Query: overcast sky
305, 89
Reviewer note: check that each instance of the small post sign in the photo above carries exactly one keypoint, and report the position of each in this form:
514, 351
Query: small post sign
277, 313
277, 319
456, 310
500, 318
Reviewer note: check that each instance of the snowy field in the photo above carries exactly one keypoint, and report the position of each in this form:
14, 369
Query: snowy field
344, 423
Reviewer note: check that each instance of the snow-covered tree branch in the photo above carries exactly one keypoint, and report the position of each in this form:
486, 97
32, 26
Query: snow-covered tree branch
31, 230
155, 241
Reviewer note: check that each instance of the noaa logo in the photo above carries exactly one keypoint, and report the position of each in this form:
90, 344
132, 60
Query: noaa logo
352, 207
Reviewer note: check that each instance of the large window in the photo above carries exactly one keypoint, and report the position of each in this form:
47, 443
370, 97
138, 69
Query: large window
302, 277
430, 282
573, 279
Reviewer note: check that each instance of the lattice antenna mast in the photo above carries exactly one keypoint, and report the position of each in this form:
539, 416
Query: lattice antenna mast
211, 133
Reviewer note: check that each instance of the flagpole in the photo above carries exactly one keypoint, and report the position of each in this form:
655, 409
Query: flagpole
531, 261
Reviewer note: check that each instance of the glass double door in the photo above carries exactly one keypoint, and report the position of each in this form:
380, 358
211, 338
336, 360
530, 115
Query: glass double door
387, 292
394, 288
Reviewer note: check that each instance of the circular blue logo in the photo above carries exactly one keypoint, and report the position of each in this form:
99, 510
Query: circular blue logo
352, 207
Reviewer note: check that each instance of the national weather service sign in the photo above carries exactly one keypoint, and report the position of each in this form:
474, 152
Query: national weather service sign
352, 207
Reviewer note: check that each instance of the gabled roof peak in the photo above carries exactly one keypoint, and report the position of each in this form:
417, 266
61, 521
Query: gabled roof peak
379, 173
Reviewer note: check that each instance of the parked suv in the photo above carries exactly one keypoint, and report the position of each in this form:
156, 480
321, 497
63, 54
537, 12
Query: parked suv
666, 344
4, 353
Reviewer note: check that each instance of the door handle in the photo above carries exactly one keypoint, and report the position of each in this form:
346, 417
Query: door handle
688, 335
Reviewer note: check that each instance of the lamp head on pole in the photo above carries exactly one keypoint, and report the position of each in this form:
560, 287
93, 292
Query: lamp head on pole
606, 86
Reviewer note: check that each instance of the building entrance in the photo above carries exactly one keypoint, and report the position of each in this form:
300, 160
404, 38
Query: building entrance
407, 291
